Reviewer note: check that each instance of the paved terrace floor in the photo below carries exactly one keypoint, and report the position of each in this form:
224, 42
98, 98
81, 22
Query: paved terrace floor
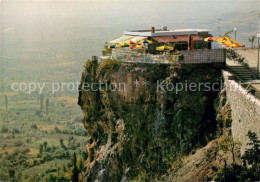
250, 55
252, 61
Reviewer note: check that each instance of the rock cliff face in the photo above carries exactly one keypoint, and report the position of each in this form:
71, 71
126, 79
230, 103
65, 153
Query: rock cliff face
139, 119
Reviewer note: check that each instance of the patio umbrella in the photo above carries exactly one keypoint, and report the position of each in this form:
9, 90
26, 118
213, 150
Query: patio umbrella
227, 43
164, 48
223, 39
129, 42
114, 46
145, 41
137, 47
212, 39
239, 45
124, 45
233, 45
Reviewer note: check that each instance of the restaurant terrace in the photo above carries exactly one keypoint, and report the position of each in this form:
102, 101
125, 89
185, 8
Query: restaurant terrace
164, 46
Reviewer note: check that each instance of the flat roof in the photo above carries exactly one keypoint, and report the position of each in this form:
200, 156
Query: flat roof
159, 32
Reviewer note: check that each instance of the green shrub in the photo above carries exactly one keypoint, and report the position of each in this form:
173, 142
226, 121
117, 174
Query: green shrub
53, 178
47, 157
15, 130
109, 66
88, 65
249, 171
18, 143
4, 129
34, 126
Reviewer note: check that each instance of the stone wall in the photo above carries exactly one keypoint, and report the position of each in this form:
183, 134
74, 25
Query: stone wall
245, 111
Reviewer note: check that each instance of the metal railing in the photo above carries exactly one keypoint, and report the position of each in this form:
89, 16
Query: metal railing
185, 57
254, 91
243, 62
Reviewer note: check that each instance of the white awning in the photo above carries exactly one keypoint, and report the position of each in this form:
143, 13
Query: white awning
120, 39
125, 38
137, 38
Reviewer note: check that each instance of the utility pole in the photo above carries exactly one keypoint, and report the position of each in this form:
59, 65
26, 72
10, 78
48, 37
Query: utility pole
219, 27
258, 36
235, 30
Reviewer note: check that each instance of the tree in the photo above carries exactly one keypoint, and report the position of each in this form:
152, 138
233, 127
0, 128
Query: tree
47, 105
6, 102
4, 129
11, 173
252, 156
79, 163
227, 34
64, 168
249, 171
45, 143
34, 126
41, 148
251, 40
228, 145
62, 144
41, 102
75, 171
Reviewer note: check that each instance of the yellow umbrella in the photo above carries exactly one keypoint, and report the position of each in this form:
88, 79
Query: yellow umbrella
223, 39
239, 45
124, 45
145, 41
137, 47
212, 39
129, 42
233, 45
164, 48
114, 46
227, 43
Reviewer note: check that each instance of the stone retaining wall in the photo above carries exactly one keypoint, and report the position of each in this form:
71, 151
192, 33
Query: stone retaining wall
245, 111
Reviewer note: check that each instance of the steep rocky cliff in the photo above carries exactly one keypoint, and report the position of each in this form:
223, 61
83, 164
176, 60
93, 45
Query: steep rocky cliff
140, 121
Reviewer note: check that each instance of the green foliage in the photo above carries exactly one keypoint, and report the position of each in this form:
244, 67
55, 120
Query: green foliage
80, 163
20, 144
249, 171
11, 173
6, 102
75, 171
47, 157
53, 178
109, 66
47, 105
78, 119
252, 156
251, 40
88, 65
142, 176
34, 126
41, 102
4, 129
227, 34
62, 144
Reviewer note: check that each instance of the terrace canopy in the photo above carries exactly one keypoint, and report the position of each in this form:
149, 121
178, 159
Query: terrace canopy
125, 38
175, 38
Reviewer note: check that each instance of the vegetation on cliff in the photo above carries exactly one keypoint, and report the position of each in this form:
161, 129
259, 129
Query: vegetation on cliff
138, 133
250, 169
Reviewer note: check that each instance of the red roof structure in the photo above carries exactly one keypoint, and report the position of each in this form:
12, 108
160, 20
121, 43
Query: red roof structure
175, 38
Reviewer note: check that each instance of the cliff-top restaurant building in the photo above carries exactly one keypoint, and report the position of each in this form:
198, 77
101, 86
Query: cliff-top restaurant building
179, 38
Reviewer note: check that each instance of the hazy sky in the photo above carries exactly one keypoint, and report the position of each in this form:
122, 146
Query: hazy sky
33, 27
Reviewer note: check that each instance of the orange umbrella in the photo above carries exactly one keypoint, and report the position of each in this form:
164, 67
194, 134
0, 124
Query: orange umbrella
212, 39
137, 47
130, 42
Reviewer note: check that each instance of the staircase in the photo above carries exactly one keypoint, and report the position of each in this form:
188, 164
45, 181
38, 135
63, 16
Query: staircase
241, 72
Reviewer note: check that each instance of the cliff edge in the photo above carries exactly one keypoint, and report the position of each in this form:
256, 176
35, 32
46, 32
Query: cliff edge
139, 119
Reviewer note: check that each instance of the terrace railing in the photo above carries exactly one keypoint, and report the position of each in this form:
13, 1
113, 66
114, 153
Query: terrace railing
204, 56
254, 91
185, 57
